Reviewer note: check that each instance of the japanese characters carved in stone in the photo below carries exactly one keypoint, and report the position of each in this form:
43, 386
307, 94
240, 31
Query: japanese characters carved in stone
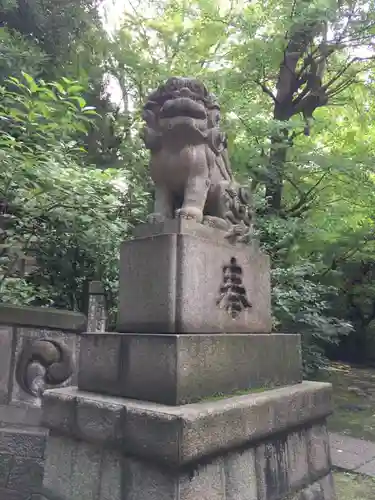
189, 160
233, 295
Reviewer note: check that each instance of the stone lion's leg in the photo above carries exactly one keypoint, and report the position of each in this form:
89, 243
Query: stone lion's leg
163, 206
194, 198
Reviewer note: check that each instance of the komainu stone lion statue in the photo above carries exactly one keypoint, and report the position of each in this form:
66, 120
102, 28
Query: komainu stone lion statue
189, 161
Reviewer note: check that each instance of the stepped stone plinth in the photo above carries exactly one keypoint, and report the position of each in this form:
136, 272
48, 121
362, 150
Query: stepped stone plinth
194, 398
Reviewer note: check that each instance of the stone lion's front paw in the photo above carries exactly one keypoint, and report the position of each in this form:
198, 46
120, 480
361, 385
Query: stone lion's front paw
190, 213
155, 218
216, 222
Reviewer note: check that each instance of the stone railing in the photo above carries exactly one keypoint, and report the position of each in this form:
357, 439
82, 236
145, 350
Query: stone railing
38, 349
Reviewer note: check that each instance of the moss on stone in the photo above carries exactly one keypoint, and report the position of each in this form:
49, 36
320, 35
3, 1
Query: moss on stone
256, 390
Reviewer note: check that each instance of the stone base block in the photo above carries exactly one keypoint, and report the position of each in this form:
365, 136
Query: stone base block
267, 446
187, 279
79, 470
178, 369
179, 435
21, 461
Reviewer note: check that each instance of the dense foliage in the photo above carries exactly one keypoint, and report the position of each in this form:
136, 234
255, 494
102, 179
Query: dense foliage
296, 83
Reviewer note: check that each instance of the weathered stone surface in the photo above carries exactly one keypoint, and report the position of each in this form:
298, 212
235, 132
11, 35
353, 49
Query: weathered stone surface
79, 471
240, 476
96, 308
103, 419
272, 469
94, 473
298, 469
181, 434
5, 466
28, 442
6, 358
170, 283
144, 481
178, 369
320, 490
58, 467
207, 481
318, 451
19, 414
328, 487
313, 492
111, 476
25, 474
282, 467
7, 494
85, 477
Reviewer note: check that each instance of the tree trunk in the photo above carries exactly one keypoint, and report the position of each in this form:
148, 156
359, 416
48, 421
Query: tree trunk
274, 184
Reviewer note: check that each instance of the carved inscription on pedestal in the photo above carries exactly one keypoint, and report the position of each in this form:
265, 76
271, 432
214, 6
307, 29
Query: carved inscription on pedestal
232, 294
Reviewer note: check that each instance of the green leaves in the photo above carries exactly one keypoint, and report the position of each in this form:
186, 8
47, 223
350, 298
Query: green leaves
68, 217
38, 112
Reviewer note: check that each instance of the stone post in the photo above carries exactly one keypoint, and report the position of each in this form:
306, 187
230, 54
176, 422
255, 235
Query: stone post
96, 307
195, 398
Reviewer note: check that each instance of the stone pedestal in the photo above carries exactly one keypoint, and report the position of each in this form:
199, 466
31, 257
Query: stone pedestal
262, 446
172, 278
175, 409
179, 369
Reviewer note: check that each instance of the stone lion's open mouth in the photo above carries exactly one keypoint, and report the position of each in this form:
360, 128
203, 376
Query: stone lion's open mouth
183, 106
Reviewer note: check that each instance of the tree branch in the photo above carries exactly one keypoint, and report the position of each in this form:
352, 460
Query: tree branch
306, 197
266, 90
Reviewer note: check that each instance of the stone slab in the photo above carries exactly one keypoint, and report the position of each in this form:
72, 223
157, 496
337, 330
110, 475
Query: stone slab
348, 443
178, 369
368, 468
19, 414
170, 283
42, 317
180, 435
184, 226
350, 453
346, 460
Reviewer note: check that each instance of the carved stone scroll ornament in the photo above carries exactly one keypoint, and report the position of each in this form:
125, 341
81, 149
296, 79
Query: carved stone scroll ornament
43, 363
189, 161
